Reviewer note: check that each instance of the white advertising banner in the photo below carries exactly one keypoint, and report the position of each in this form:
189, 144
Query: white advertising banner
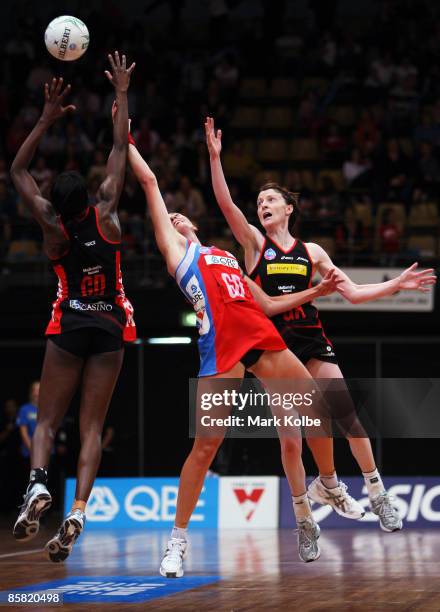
249, 502
403, 301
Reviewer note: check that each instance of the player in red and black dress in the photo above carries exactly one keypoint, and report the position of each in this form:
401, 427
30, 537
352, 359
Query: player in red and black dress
91, 316
282, 264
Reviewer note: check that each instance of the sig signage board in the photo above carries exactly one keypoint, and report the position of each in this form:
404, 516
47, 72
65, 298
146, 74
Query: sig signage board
417, 499
142, 502
403, 301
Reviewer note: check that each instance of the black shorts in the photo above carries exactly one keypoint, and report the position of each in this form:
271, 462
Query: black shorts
250, 358
309, 343
87, 341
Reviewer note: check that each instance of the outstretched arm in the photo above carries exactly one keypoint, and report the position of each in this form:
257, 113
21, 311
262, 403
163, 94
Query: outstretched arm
409, 280
25, 184
246, 234
171, 244
110, 190
273, 305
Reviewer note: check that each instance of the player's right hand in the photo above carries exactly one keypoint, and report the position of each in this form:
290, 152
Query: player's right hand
213, 138
329, 283
120, 75
54, 96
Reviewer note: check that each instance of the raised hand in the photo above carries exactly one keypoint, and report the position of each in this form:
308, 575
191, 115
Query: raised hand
329, 283
213, 138
54, 95
120, 75
422, 281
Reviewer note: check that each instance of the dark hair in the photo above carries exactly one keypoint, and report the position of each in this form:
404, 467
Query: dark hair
69, 195
290, 197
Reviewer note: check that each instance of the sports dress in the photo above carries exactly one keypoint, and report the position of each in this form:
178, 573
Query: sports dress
90, 300
279, 272
230, 323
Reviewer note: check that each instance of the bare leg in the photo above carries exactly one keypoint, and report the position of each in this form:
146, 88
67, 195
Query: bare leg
197, 464
279, 365
360, 446
59, 380
284, 365
101, 373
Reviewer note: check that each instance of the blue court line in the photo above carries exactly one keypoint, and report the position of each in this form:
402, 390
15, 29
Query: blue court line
115, 589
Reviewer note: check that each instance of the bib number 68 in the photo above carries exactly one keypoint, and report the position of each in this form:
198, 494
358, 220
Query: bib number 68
234, 285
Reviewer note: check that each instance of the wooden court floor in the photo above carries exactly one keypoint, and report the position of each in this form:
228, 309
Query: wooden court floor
363, 570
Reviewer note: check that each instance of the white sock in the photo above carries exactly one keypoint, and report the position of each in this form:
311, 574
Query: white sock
301, 507
373, 482
180, 533
329, 482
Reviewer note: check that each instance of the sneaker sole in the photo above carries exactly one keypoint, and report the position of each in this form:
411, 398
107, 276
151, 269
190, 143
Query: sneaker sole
28, 527
165, 574
311, 560
56, 551
317, 500
391, 530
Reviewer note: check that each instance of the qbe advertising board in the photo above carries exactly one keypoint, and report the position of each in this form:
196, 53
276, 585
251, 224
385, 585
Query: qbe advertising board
236, 502
142, 502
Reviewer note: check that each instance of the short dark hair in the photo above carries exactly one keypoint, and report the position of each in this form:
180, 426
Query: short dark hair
69, 194
290, 197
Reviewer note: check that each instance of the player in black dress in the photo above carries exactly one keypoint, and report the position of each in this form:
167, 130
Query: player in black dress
91, 317
280, 263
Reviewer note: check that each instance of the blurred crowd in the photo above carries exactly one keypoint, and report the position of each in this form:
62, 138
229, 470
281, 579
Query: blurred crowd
364, 104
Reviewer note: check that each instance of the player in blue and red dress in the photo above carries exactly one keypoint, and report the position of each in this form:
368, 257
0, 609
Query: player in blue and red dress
91, 317
230, 325
235, 335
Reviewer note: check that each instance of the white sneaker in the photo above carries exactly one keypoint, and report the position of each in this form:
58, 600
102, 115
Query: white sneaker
338, 498
35, 504
308, 534
172, 562
60, 546
389, 516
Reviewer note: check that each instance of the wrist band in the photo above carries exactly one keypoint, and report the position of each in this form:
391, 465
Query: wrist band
131, 139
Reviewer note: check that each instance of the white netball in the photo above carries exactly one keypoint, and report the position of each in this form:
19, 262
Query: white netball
67, 38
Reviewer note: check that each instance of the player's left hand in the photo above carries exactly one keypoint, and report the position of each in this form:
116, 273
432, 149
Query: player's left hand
120, 75
54, 95
422, 281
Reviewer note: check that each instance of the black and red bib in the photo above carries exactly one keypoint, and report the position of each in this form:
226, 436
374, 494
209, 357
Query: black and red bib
278, 272
90, 289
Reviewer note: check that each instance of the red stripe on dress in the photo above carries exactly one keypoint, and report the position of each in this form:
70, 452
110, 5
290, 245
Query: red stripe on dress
312, 273
281, 248
100, 231
54, 326
129, 333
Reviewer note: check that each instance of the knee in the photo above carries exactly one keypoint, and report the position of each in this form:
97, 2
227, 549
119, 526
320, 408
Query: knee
90, 435
291, 448
204, 451
47, 425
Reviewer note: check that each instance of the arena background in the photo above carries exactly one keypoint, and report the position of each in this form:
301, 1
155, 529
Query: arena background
300, 90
